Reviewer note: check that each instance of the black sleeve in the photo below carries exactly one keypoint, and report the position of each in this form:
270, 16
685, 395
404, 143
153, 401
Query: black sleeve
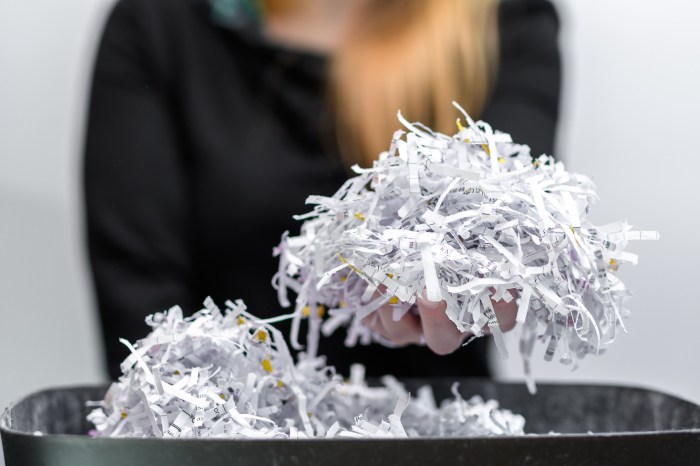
525, 100
135, 185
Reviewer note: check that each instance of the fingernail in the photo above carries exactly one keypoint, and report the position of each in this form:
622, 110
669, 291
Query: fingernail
426, 302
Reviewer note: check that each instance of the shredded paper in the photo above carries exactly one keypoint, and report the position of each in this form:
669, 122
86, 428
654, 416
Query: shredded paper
471, 219
231, 375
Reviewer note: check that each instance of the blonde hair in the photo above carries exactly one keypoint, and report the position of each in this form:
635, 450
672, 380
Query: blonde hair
417, 56
413, 55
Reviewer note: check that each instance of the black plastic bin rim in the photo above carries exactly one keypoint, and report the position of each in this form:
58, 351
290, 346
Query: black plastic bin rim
6, 426
12, 432
627, 425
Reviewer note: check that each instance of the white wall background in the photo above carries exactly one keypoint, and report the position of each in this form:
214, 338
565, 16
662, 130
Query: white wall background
630, 99
630, 110
48, 332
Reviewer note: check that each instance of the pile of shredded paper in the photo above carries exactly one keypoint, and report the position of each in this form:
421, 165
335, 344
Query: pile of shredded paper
469, 218
231, 375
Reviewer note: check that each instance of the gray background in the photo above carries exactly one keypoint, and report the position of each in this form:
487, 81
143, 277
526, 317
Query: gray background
630, 115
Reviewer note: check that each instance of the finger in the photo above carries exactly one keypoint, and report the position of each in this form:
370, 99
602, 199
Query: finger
441, 334
373, 323
505, 313
372, 319
401, 332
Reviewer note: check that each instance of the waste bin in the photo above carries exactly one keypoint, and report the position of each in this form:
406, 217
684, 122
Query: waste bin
592, 425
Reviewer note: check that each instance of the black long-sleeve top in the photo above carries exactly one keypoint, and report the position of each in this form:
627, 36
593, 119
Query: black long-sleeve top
203, 140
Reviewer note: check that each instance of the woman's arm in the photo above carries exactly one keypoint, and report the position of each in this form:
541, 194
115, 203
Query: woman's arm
136, 188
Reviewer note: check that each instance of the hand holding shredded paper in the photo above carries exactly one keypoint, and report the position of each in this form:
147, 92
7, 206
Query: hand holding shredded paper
474, 220
428, 323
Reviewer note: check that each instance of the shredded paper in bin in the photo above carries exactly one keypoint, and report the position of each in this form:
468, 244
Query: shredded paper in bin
231, 375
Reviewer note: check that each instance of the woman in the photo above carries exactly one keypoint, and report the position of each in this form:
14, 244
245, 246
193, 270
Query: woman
211, 121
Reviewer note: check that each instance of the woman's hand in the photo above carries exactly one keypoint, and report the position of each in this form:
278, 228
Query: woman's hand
431, 324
